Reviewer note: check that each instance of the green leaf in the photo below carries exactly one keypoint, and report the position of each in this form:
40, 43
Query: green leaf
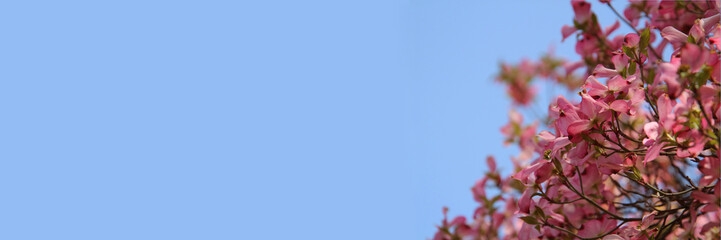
530, 220
578, 25
547, 154
643, 44
650, 76
539, 212
703, 76
558, 166
496, 198
629, 52
517, 184
635, 174
632, 68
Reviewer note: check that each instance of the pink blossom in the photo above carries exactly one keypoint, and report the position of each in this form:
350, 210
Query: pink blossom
582, 9
567, 31
693, 56
586, 171
631, 40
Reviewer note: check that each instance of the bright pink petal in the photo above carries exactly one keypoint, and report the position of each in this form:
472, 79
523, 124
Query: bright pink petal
543, 173
652, 130
653, 152
524, 202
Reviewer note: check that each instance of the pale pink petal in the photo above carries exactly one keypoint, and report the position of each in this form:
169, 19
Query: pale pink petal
528, 232
601, 71
648, 141
567, 31
515, 117
617, 83
693, 56
651, 129
674, 36
613, 237
631, 39
491, 161
696, 32
647, 220
666, 118
670, 77
559, 143
594, 87
479, 190
458, 220
709, 23
593, 83
619, 61
545, 138
579, 126
637, 96
620, 106
524, 174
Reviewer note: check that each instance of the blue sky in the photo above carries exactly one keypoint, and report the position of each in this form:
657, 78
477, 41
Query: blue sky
258, 119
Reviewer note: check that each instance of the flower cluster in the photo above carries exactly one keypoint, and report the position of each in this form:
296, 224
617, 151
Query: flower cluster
634, 156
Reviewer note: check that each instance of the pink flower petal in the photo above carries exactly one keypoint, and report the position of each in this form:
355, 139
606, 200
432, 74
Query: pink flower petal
651, 129
582, 10
601, 71
491, 161
620, 106
674, 36
567, 31
653, 152
579, 126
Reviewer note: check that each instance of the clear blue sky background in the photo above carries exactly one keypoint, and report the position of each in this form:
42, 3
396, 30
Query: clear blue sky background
256, 119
